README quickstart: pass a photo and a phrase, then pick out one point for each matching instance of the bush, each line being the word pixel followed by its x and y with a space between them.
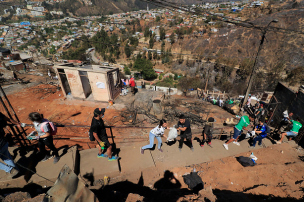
pixel 127 71
pixel 160 77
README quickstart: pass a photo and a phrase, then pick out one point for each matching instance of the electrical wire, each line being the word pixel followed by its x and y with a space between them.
pixel 26 168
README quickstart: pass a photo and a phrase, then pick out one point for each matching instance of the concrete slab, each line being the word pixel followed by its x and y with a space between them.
pixel 46 170
pixel 171 157
pixel 90 164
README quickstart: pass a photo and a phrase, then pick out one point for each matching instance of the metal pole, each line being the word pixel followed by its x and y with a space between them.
pixel 11 107
pixel 255 62
pixel 12 128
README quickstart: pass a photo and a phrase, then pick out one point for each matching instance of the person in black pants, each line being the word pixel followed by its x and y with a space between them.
pixel 99 132
pixel 44 136
pixel 185 132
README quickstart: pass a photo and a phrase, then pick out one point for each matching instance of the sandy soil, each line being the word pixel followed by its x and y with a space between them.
pixel 278 176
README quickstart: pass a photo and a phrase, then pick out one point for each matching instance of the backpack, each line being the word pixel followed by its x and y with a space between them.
pixel 194 181
pixel 53 127
pixel 246 161
pixel 267 128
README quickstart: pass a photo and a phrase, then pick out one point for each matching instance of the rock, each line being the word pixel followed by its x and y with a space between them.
pixel 207 193
pixel 134 197
pixel 38 198
pixel 17 197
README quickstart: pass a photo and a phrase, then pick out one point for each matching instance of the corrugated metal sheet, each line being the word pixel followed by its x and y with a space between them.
pixel 68 188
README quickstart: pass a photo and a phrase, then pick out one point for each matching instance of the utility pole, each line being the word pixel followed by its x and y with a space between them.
pixel 255 62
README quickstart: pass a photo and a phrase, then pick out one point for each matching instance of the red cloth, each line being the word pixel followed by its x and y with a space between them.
pixel 132 82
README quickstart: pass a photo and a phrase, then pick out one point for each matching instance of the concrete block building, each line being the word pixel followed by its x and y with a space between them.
pixel 99 82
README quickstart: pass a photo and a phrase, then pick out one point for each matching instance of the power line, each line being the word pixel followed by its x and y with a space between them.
pixel 26 168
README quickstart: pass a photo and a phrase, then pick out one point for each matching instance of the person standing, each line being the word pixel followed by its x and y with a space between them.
pixel 100 134
pixel 9 166
pixel 208 130
pixel 242 124
pixel 183 126
pixel 132 85
pixel 296 126
pixel 157 132
pixel 261 130
pixel 44 136
pixel 259 113
pixel 249 101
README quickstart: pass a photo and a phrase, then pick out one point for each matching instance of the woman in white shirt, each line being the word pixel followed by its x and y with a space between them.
pixel 157 132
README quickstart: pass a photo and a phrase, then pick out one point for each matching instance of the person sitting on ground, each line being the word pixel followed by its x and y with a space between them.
pixel 185 132
pixel 261 130
pixel 100 134
pixel 208 130
pixel 296 126
pixel 44 136
pixel 9 166
pixel 157 132
pixel 242 124
pixel 285 122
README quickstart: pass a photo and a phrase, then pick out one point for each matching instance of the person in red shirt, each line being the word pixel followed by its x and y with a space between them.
pixel 132 85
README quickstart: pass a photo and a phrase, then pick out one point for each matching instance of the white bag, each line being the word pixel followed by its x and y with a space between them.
pixel 172 134
pixel 250 134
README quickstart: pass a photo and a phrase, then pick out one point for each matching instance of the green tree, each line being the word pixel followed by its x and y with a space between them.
pixel 48 16
pixel 151 42
pixel 147 32
pixel 157 19
pixel 172 38
pixel 134 41
pixel 150 55
pixel 128 51
pixel 146 68
pixel 53 50
pixel 175 76
pixel 162 33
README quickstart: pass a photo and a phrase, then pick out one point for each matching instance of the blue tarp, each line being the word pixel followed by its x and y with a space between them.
pixel 25 23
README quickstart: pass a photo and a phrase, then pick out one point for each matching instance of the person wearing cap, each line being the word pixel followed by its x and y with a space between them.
pixel 296 126
pixel 242 124
pixel 100 134
pixel 208 130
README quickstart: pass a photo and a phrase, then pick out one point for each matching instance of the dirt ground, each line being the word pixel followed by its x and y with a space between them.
pixel 49 101
pixel 278 176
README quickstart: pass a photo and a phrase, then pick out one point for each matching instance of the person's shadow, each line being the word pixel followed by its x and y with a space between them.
pixel 167 182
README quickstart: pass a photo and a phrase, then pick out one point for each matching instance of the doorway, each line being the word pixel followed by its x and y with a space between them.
pixel 85 83
pixel 64 81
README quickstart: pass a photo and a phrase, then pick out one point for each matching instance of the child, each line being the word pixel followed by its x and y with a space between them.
pixel 208 130
pixel 44 136
pixel 157 132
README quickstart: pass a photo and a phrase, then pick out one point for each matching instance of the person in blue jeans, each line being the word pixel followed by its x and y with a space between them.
pixel 261 130
pixel 157 132
pixel 9 166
